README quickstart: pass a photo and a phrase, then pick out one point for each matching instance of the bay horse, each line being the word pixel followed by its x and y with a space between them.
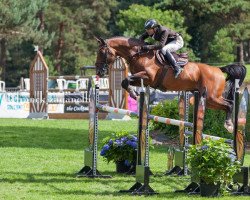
pixel 194 77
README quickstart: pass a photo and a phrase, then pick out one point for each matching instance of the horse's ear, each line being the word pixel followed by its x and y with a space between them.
pixel 100 40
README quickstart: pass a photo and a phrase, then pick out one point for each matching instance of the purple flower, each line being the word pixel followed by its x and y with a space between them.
pixel 134 138
pixel 103 152
pixel 110 142
pixel 131 143
pixel 134 144
pixel 118 142
pixel 106 147
pixel 123 139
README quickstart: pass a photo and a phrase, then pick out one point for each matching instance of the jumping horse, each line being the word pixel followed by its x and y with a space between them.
pixel 195 76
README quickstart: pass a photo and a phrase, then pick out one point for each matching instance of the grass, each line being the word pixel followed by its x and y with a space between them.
pixel 39 159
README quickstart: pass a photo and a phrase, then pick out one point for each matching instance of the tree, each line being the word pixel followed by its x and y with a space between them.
pixel 240 32
pixel 205 18
pixel 131 22
pixel 221 48
pixel 18 22
pixel 75 25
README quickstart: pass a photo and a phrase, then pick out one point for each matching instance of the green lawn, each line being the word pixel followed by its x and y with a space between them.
pixel 39 159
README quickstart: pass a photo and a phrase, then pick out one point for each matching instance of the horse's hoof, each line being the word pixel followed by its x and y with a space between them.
pixel 230 128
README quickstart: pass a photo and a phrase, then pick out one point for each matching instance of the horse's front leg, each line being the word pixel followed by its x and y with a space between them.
pixel 133 80
pixel 126 84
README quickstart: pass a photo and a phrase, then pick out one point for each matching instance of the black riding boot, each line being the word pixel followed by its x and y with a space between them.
pixel 171 59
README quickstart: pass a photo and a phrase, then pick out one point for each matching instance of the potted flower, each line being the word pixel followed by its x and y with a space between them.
pixel 213 164
pixel 120 148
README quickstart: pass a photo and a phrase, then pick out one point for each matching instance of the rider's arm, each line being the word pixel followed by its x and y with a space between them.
pixel 151 47
pixel 144 36
pixel 162 42
pixel 164 37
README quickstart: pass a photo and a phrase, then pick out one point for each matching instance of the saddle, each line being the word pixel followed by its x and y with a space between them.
pixel 181 58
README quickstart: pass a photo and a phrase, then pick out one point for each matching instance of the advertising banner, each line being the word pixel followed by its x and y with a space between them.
pixel 76 103
pixel 14 105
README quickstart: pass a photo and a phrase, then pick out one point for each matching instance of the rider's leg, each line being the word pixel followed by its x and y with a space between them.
pixel 171 59
pixel 173 47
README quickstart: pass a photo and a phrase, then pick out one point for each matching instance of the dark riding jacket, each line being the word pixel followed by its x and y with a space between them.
pixel 163 34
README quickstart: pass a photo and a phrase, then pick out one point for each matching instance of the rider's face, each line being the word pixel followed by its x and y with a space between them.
pixel 150 31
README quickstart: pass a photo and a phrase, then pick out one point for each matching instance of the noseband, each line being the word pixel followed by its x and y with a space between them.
pixel 104 65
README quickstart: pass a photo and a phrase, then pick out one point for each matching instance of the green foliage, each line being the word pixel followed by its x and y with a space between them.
pixel 169 109
pixel 17 15
pixel 214 123
pixel 18 24
pixel 50 64
pixel 135 17
pixel 20 59
pixel 120 146
pixel 247 78
pixel 221 48
pixel 73 23
pixel 204 18
pixel 131 22
pixel 212 162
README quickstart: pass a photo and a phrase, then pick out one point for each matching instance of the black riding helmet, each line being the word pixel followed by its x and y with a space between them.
pixel 151 23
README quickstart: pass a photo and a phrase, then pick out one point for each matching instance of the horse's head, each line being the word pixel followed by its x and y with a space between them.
pixel 105 57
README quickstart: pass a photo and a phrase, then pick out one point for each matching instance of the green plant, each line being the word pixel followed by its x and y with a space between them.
pixel 169 109
pixel 214 123
pixel 120 146
pixel 212 161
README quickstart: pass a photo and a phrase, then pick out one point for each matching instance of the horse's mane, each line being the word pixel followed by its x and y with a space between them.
pixel 128 41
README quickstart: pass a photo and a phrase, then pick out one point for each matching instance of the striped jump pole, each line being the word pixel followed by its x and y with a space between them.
pixel 155 118
pixel 206 136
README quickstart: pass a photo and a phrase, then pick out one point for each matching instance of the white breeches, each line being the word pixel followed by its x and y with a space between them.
pixel 173 46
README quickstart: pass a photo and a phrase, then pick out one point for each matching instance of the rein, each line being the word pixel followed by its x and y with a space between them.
pixel 138 53
pixel 105 64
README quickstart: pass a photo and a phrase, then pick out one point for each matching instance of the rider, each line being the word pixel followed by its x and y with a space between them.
pixel 169 41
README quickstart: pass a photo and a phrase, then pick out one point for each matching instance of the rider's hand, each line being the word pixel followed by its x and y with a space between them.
pixel 144 48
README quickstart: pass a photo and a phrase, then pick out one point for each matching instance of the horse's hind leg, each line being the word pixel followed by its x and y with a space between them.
pixel 227 106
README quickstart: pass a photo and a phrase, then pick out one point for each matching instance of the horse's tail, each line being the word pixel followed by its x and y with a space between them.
pixel 233 71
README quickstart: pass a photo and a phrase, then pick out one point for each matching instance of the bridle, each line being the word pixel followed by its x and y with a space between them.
pixel 104 65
